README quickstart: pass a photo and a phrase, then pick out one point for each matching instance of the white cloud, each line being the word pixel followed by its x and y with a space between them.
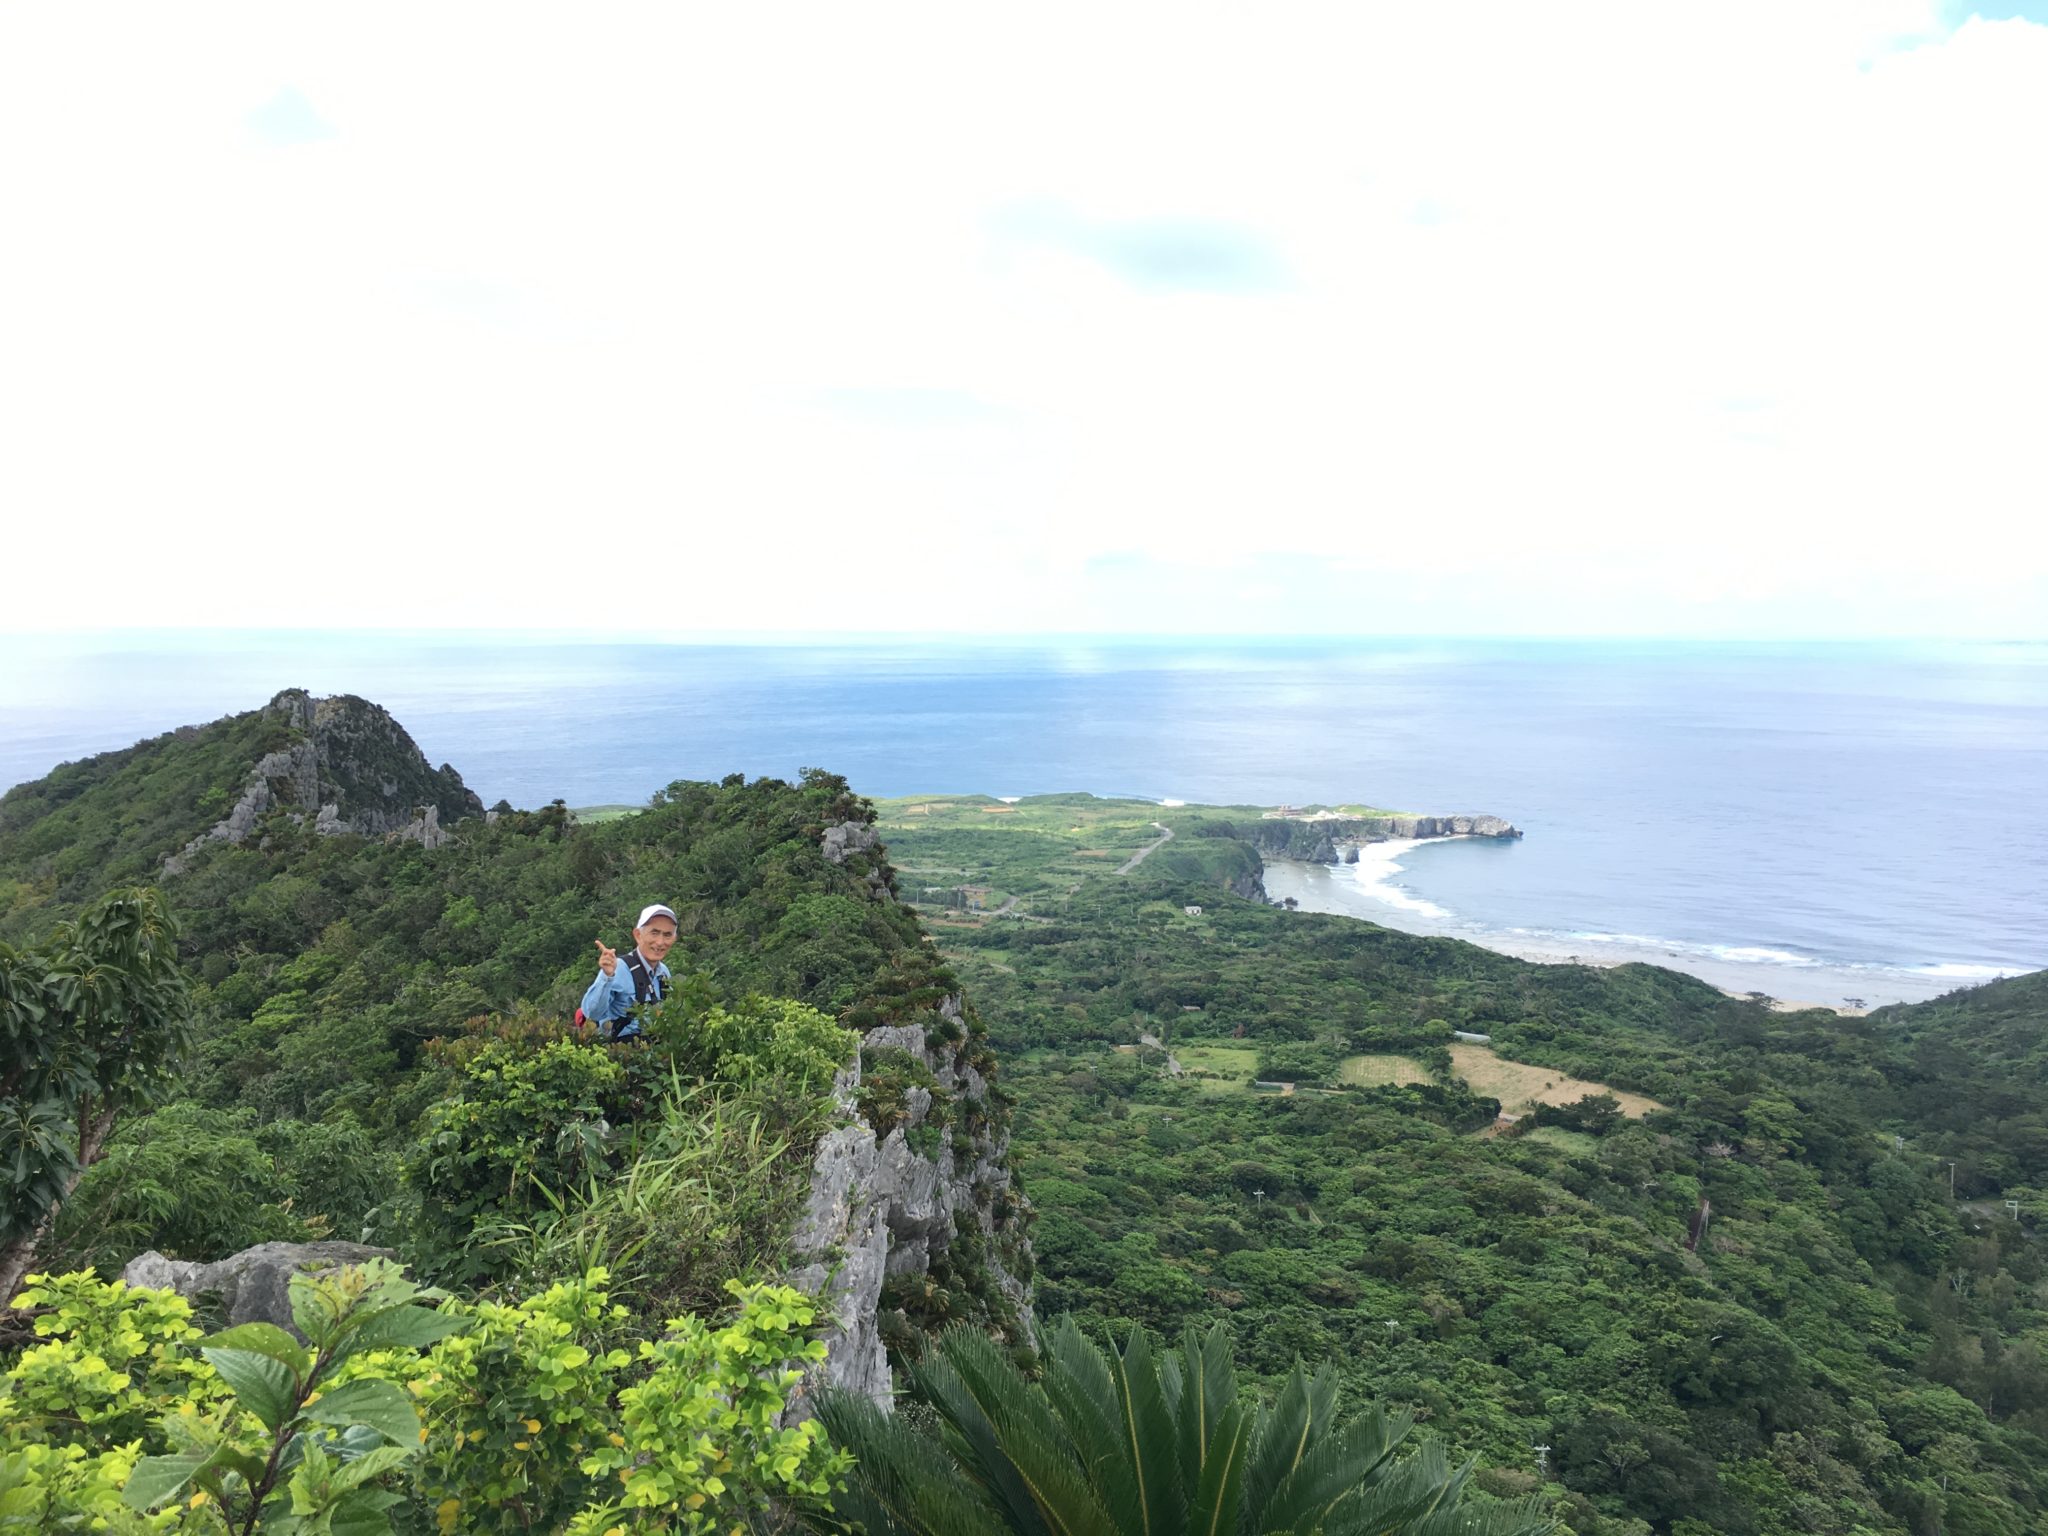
pixel 1608 317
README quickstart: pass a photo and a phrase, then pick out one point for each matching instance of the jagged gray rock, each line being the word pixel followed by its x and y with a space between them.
pixel 843 840
pixel 355 770
pixel 843 1236
pixel 847 837
pixel 254 1285
pixel 881 1210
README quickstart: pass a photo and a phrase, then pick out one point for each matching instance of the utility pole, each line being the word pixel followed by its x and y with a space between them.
pixel 2014 1207
pixel 1542 1461
pixel 1951 1178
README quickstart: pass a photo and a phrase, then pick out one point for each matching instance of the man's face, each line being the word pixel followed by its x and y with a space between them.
pixel 655 937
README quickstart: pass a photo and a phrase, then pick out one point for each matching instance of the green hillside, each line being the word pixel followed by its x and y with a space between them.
pixel 1222 1112
pixel 1848 1349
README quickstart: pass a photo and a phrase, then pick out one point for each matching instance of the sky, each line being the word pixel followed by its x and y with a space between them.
pixel 1715 320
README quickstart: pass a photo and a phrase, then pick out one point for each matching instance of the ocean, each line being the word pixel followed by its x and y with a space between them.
pixel 1820 822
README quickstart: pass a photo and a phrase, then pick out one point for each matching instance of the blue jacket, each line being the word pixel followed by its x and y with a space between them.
pixel 611 997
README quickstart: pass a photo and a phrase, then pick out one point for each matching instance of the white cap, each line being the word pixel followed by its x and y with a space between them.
pixel 657 910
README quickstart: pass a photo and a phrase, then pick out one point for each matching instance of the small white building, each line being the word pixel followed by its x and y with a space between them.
pixel 1470 1038
pixel 1192 911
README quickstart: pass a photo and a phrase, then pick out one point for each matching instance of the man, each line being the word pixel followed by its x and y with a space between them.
pixel 640 977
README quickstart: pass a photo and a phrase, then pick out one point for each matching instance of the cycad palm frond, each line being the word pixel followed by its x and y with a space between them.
pixel 1337 1461
pixel 1144 1442
pixel 1407 1494
pixel 1011 1442
pixel 908 1485
pixel 1148 1443
pixel 1082 1391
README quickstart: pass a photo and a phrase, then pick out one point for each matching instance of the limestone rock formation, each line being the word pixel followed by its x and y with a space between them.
pixel 857 841
pixel 883 1215
pixel 352 768
pixel 1331 839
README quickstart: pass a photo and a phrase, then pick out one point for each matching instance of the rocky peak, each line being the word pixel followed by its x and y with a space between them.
pixel 352 768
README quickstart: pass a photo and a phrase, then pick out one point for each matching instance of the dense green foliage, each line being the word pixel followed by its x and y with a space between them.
pixel 112 819
pixel 92 1022
pixel 1848 1350
pixel 1855 1345
pixel 387 1412
pixel 543 1122
pixel 1141 1442
pixel 325 965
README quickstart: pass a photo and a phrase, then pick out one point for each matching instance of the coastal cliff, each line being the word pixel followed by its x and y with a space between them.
pixel 1328 840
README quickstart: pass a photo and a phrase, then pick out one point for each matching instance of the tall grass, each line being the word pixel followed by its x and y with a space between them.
pixel 710 1193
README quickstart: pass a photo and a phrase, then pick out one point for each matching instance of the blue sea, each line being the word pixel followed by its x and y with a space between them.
pixel 1815 821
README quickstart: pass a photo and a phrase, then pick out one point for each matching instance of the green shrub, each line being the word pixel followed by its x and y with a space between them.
pixel 712 1193
pixel 756 1040
pixel 471 1416
pixel 522 1124
pixel 887 1076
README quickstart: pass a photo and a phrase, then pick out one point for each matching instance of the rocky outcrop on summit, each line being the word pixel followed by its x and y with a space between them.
pixel 1332 839
pixel 913 1199
pixel 349 766
pixel 858 842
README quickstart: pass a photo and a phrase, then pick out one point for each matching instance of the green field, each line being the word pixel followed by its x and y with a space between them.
pixel 1043 848
pixel 1374 1071
pixel 1228 1068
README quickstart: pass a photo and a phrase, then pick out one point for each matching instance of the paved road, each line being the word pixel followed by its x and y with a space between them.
pixel 1165 836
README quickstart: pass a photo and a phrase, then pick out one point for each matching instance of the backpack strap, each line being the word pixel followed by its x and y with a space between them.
pixel 646 983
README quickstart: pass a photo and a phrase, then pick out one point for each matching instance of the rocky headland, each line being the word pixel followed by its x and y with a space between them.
pixel 1337 839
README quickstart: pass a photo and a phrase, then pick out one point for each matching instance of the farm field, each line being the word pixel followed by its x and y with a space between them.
pixel 1228 1068
pixel 1380 1071
pixel 1520 1086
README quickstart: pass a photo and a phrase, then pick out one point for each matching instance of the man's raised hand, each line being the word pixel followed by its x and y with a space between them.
pixel 607 958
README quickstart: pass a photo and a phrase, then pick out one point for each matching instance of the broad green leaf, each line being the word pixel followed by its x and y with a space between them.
pixel 406 1327
pixel 1148 1431
pixel 1214 1511
pixel 381 1405
pixel 159 1479
pixel 313 1313
pixel 360 1512
pixel 264 1339
pixel 248 1468
pixel 353 1474
pixel 266 1387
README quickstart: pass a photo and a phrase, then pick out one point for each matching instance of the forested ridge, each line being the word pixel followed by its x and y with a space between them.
pixel 1848 1349
pixel 379 1043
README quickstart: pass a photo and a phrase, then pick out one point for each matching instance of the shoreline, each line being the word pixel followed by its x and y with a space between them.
pixel 1366 891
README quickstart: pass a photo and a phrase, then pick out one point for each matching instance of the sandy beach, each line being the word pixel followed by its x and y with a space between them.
pixel 1372 890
